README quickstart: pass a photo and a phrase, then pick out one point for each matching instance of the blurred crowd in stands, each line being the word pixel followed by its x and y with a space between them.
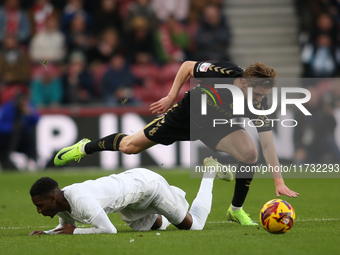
pixel 57 53
pixel 319 38
pixel 102 52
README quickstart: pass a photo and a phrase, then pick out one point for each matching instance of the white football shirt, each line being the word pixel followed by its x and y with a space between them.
pixel 130 193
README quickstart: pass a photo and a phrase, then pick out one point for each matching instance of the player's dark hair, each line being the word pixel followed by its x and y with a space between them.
pixel 267 75
pixel 43 186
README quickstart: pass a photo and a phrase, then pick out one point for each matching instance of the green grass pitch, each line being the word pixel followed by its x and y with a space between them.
pixel 316 229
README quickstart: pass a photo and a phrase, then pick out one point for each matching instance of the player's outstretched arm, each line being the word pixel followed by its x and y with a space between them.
pixel 269 153
pixel 101 224
pixel 66 229
pixel 182 76
pixel 281 188
pixel 36 232
pixel 162 105
pixel 63 220
pixel 49 232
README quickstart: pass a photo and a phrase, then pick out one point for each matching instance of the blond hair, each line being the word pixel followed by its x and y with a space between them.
pixel 257 70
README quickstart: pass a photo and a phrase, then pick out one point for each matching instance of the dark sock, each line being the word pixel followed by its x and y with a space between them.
pixel 243 180
pixel 107 143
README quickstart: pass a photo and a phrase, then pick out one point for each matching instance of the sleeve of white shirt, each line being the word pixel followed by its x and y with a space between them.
pixel 63 218
pixel 101 224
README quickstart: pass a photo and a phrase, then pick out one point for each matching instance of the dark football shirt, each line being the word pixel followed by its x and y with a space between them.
pixel 210 73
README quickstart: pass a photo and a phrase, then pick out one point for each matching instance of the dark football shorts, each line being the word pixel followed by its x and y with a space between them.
pixel 170 127
pixel 176 125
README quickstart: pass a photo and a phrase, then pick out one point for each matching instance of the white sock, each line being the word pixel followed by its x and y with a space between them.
pixel 82 149
pixel 201 206
pixel 165 223
pixel 209 174
pixel 234 208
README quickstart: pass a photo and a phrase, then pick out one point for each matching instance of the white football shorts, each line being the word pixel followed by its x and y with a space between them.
pixel 159 198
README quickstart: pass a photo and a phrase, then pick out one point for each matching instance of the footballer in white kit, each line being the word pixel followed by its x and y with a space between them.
pixel 142 198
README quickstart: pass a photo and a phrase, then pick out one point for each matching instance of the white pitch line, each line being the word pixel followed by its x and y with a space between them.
pixel 47 227
pixel 323 219
pixel 210 222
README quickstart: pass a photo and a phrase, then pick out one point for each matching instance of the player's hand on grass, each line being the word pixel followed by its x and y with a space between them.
pixel 282 189
pixel 67 229
pixel 162 105
pixel 36 232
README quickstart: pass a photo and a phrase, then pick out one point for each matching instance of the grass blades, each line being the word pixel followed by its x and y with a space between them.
pixel 315 231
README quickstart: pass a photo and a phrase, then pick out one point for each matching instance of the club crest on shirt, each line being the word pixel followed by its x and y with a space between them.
pixel 204 67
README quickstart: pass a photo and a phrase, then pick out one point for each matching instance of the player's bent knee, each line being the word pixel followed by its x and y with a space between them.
pixel 186 224
pixel 250 157
pixel 191 222
pixel 197 224
pixel 129 149
pixel 134 144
